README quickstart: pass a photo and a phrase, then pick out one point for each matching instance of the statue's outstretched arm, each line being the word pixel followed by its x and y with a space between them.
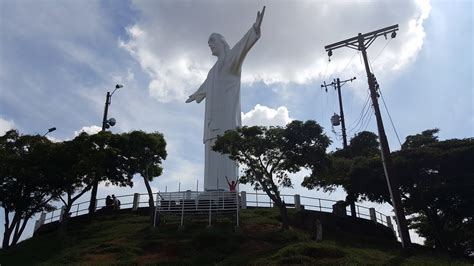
pixel 258 21
pixel 242 47
pixel 199 95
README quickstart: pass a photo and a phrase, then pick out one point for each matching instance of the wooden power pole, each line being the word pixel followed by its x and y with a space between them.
pixel 337 84
pixel 361 42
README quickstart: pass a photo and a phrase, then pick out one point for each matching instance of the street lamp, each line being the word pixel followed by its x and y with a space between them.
pixel 106 123
pixel 49 130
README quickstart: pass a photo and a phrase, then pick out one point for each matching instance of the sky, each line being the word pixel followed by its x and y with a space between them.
pixel 58 59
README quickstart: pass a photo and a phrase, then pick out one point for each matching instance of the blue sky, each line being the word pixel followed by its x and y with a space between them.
pixel 59 58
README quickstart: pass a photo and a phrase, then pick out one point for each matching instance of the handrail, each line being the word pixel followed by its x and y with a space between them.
pixel 253 199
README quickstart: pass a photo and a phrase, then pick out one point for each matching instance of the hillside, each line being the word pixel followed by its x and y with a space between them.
pixel 126 238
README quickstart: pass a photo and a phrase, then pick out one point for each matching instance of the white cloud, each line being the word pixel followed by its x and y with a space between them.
pixel 181 171
pixel 89 130
pixel 291 49
pixel 5 125
pixel 265 116
pixel 171 78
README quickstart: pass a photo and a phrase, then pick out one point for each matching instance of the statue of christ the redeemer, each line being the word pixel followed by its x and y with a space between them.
pixel 222 92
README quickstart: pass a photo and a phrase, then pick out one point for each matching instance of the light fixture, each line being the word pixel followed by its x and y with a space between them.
pixel 49 131
pixel 110 122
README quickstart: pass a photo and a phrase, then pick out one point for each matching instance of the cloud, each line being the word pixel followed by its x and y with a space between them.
pixel 264 116
pixel 91 130
pixel 5 125
pixel 291 49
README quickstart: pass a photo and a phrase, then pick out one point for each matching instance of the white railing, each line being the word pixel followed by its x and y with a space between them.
pixel 215 202
pixel 318 204
pixel 208 203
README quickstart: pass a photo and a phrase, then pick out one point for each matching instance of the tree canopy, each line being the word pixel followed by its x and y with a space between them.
pixel 144 153
pixel 34 171
pixel 269 154
pixel 436 184
pixel 24 175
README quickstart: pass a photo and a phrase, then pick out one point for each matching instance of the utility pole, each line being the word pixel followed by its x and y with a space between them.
pixel 337 84
pixel 106 123
pixel 361 42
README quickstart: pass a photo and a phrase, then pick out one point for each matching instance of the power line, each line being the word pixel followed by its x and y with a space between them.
pixel 380 52
pixel 363 112
pixel 369 119
pixel 356 122
pixel 350 60
pixel 390 117
pixel 365 119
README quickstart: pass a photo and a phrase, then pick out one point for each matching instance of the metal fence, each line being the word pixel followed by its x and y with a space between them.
pixel 193 203
pixel 215 202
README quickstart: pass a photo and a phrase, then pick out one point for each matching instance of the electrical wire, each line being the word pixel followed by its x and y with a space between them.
pixel 365 119
pixel 362 115
pixel 381 51
pixel 371 115
pixel 350 60
pixel 390 117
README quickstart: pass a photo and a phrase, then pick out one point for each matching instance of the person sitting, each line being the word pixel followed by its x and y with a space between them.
pixel 109 202
pixel 232 185
pixel 116 202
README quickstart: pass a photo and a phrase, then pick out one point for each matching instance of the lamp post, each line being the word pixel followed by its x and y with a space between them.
pixel 106 123
pixel 49 131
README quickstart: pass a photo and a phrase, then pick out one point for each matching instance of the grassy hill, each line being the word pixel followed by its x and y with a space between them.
pixel 125 238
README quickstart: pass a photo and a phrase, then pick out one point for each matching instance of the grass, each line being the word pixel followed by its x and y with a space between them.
pixel 130 239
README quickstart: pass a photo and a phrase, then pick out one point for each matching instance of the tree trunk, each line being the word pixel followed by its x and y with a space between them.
pixel 353 210
pixel 93 198
pixel 9 229
pixel 15 231
pixel 17 234
pixel 6 239
pixel 285 221
pixel 6 233
pixel 151 203
pixel 65 219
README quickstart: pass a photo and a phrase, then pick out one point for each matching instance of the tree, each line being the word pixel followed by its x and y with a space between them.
pixel 25 189
pixel 436 184
pixel 270 154
pixel 89 158
pixel 145 153
pixel 356 169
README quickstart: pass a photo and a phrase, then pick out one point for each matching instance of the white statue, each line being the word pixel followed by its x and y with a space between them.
pixel 222 92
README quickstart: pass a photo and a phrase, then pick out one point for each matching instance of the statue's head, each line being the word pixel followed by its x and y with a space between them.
pixel 218 44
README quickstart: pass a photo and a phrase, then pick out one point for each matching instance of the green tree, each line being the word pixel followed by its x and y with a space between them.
pixel 144 153
pixel 24 177
pixel 357 169
pixel 270 154
pixel 436 184
pixel 89 158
